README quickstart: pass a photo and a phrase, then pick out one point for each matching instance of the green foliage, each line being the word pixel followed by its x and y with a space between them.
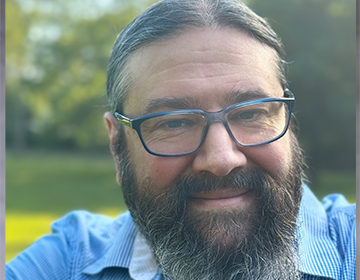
pixel 330 182
pixel 320 40
pixel 57 55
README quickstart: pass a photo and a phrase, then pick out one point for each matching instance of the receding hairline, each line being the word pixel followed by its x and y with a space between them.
pixel 167 18
pixel 134 58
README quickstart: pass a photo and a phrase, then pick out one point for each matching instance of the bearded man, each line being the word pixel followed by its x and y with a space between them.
pixel 204 143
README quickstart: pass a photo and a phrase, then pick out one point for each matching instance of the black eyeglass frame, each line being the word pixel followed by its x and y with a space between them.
pixel 210 117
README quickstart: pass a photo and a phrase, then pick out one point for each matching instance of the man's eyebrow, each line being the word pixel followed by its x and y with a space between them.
pixel 181 103
pixel 239 96
pixel 172 103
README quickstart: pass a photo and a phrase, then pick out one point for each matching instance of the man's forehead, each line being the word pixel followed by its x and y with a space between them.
pixel 195 54
pixel 202 40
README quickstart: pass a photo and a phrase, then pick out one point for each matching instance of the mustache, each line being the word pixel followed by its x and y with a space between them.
pixel 252 179
pixel 173 202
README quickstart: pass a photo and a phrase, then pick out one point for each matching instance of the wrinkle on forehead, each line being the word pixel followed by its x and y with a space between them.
pixel 204 43
pixel 200 54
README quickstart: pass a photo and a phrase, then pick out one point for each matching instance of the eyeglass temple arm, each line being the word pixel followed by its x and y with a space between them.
pixel 123 120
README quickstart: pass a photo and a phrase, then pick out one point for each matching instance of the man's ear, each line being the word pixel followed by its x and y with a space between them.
pixel 112 128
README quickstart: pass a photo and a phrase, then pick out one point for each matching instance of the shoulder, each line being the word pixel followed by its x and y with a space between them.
pixel 327 236
pixel 333 208
pixel 76 239
pixel 341 217
pixel 336 204
pixel 81 225
pixel 342 229
pixel 342 223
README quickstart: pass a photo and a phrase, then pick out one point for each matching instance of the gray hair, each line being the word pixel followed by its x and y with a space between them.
pixel 168 18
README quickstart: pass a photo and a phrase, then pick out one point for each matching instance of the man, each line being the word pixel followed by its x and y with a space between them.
pixel 203 140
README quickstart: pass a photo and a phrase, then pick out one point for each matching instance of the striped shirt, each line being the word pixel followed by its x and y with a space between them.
pixel 87 246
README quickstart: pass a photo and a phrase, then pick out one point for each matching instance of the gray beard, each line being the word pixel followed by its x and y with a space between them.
pixel 255 243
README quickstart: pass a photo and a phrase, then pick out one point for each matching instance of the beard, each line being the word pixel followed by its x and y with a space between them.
pixel 258 242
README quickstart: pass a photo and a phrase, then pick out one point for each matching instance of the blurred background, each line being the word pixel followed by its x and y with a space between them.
pixel 57 53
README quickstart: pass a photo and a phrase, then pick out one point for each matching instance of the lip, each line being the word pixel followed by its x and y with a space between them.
pixel 222 199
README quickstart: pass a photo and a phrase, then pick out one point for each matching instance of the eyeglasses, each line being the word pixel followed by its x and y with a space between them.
pixel 182 132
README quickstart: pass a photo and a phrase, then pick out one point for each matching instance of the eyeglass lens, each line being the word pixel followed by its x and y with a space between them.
pixel 182 133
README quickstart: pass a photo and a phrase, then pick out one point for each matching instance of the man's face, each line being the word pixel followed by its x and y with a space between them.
pixel 219 194
pixel 208 66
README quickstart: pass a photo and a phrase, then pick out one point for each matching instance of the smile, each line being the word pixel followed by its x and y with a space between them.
pixel 218 199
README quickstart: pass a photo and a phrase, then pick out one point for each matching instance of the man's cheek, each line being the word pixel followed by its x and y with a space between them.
pixel 275 157
pixel 161 171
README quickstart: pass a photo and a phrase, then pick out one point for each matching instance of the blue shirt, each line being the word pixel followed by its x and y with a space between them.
pixel 87 246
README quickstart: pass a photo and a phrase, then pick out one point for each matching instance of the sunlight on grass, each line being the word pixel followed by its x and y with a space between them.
pixel 24 229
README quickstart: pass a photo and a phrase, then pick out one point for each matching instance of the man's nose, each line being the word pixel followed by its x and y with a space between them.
pixel 219 154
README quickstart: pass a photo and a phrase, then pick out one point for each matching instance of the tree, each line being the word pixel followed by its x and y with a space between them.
pixel 57 56
pixel 58 51
pixel 320 40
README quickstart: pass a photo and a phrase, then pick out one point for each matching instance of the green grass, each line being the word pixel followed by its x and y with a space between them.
pixel 41 188
pixel 330 182
pixel 59 183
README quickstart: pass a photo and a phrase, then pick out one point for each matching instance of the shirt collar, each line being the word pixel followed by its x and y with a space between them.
pixel 121 251
pixel 318 254
pixel 143 265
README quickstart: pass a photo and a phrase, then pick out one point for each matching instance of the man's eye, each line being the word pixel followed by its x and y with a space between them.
pixel 174 124
pixel 247 115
